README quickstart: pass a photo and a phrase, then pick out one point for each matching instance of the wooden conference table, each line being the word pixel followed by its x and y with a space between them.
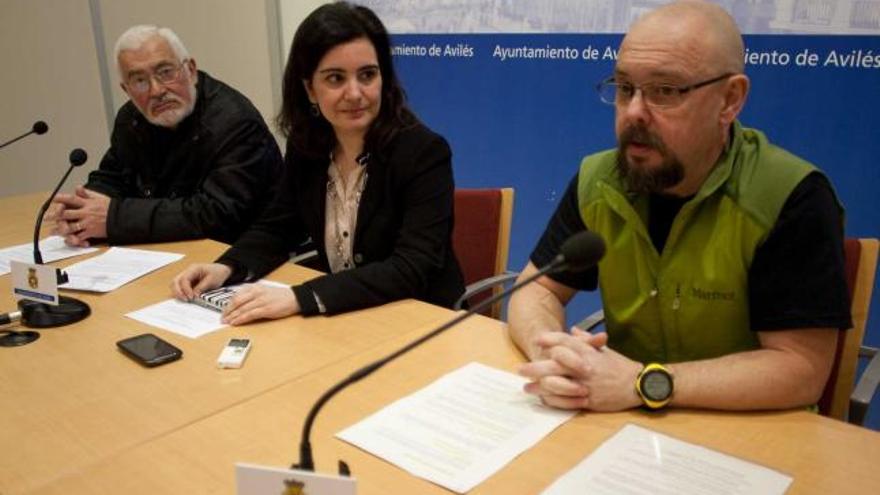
pixel 79 418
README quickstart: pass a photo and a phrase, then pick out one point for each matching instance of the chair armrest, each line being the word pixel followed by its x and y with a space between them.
pixel 592 321
pixel 865 388
pixel 482 285
pixel 307 256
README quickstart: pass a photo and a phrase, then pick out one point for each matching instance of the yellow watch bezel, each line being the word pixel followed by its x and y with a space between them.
pixel 647 401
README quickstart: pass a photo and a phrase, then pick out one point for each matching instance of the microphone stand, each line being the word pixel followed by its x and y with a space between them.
pixel 41 315
pixel 38 256
pixel 306 462
pixel 39 127
pixel 13 338
pixel 7 143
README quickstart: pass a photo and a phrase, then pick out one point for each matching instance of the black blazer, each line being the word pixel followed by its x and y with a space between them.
pixel 403 240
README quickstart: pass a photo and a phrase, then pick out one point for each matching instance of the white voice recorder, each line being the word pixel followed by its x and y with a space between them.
pixel 234 353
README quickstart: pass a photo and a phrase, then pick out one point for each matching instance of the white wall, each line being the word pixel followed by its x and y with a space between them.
pixel 52 73
pixel 292 13
pixel 227 38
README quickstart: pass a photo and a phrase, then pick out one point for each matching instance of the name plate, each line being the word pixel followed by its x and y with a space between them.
pixel 251 479
pixel 34 282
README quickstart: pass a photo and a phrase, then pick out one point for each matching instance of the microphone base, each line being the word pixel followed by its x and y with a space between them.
pixel 41 315
pixel 15 339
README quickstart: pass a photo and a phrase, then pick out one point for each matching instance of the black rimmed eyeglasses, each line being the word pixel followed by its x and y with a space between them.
pixel 655 95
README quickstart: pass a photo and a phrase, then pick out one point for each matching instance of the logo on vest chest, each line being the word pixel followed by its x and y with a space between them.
pixel 712 295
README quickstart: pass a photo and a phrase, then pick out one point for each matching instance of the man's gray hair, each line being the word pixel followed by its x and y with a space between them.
pixel 135 36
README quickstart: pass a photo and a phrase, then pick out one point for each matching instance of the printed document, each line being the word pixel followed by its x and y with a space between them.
pixel 638 461
pixel 180 317
pixel 115 268
pixel 459 430
pixel 186 318
pixel 52 248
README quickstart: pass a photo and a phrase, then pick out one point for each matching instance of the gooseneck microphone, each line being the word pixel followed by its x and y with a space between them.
pixel 36 314
pixel 578 253
pixel 77 157
pixel 39 127
pixel 68 310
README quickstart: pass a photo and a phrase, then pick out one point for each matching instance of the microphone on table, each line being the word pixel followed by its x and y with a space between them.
pixel 77 157
pixel 41 315
pixel 578 253
pixel 39 127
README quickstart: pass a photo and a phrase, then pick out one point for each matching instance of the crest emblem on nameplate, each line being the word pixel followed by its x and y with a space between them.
pixel 294 487
pixel 34 282
pixel 251 479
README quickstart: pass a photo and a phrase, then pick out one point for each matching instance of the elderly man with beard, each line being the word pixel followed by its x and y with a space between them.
pixel 723 283
pixel 189 156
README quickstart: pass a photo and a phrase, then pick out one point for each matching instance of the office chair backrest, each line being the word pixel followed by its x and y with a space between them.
pixel 861 264
pixel 481 237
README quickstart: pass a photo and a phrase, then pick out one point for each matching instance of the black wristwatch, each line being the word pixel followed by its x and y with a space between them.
pixel 654 385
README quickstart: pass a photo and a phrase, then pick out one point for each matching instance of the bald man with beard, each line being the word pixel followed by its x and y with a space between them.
pixel 723 284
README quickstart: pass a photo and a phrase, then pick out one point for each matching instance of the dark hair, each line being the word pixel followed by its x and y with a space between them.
pixel 327 27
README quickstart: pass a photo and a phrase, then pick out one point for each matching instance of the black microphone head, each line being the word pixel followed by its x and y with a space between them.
pixel 582 251
pixel 40 127
pixel 78 156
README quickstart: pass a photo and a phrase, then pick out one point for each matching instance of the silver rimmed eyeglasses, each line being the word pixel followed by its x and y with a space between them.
pixel 655 95
pixel 164 74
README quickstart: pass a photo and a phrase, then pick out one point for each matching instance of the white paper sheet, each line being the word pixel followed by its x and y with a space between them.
pixel 638 461
pixel 52 248
pixel 185 318
pixel 115 268
pixel 459 430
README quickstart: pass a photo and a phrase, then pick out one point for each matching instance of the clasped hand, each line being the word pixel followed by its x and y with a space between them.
pixel 578 371
pixel 251 302
pixel 80 216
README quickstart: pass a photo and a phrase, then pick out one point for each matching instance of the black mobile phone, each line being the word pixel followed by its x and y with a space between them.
pixel 149 350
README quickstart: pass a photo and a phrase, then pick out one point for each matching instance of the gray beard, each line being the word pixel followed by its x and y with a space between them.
pixel 637 178
pixel 171 118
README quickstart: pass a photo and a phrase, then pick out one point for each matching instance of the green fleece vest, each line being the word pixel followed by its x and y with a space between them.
pixel 690 301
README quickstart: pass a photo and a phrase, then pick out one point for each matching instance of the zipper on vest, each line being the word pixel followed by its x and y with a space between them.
pixel 676 302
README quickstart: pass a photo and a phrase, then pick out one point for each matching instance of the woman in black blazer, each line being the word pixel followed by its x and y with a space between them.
pixel 368 183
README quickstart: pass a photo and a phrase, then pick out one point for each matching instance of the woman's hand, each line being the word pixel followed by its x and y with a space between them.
pixel 198 278
pixel 256 301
